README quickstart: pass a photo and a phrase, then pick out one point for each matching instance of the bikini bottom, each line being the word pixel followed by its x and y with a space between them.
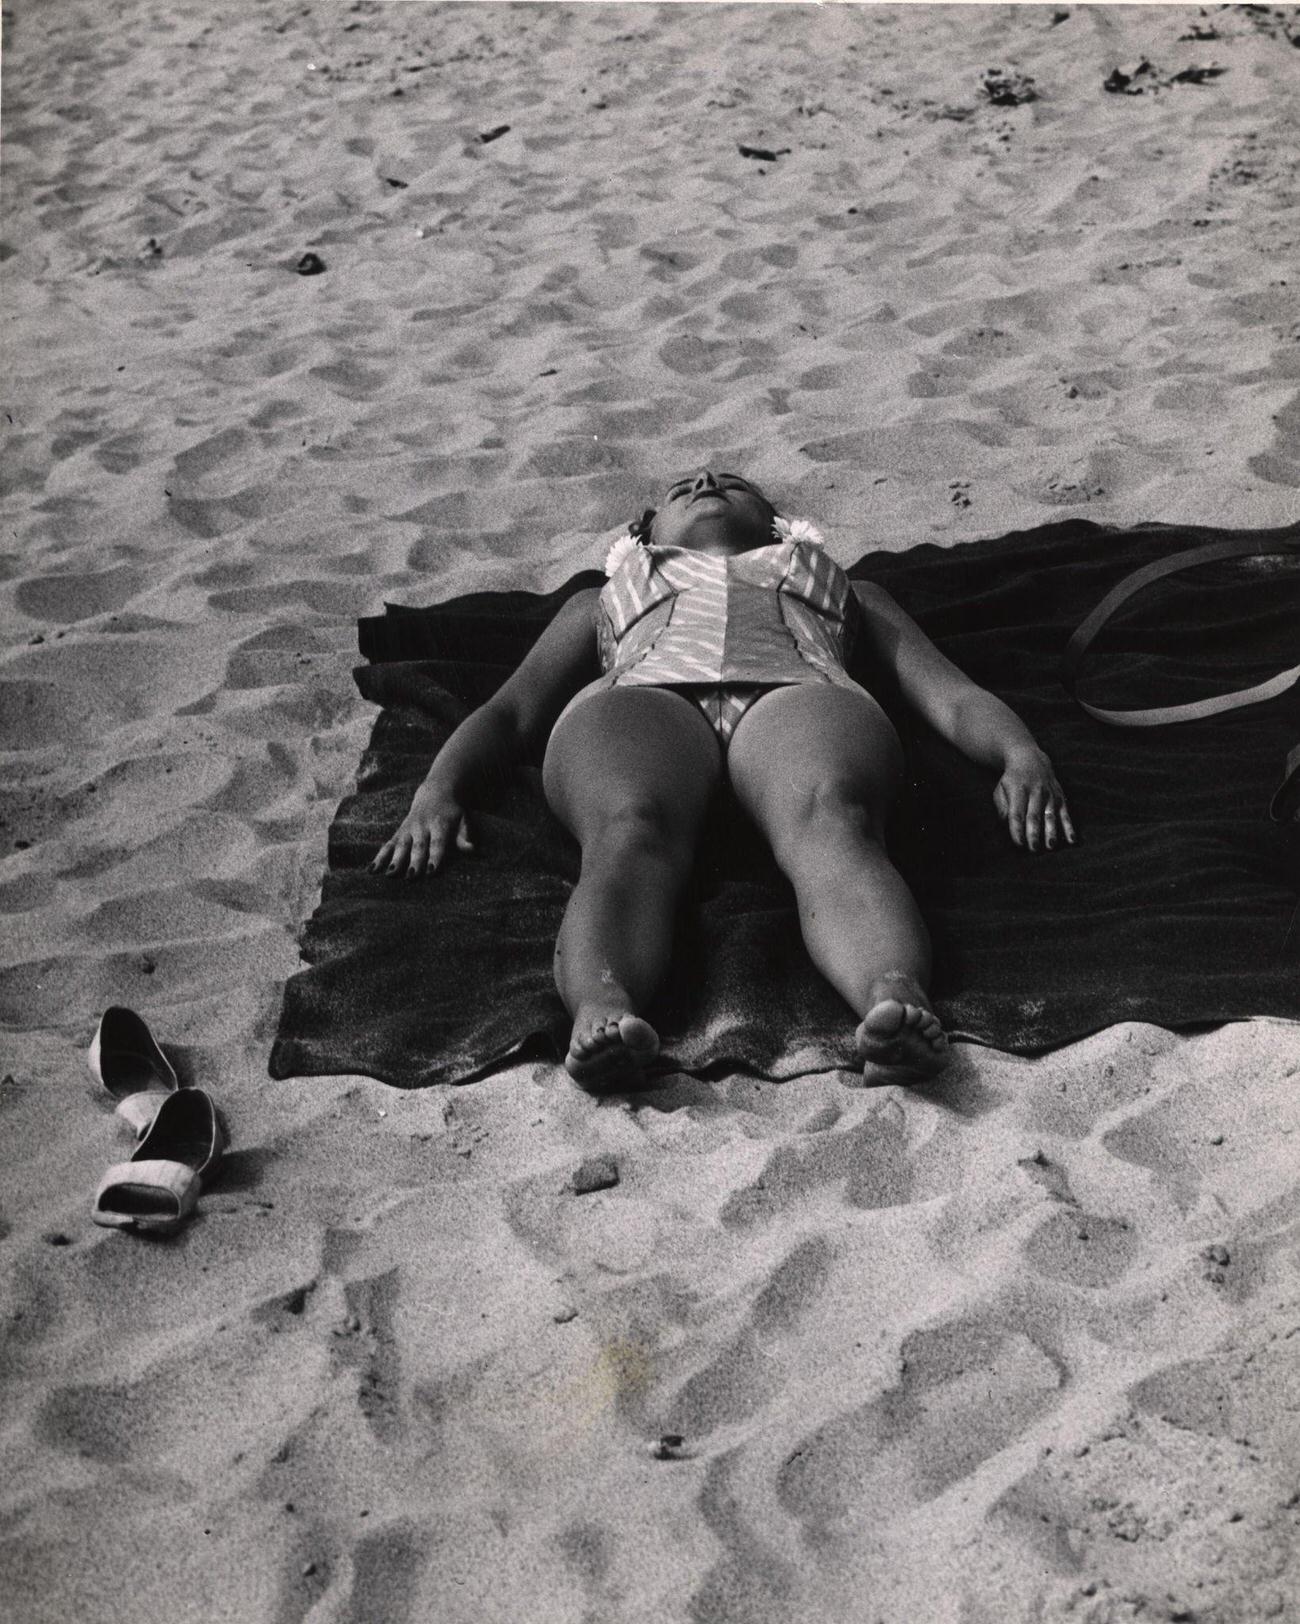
pixel 722 704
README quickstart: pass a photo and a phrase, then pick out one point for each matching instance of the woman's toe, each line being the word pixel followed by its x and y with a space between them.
pixel 886 1020
pixel 607 1047
pixel 638 1037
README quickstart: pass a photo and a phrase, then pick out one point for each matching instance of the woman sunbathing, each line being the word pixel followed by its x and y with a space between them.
pixel 716 653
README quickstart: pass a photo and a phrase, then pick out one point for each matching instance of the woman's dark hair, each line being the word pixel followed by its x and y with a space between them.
pixel 641 527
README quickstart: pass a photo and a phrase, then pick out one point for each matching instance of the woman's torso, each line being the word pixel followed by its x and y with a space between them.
pixel 781 613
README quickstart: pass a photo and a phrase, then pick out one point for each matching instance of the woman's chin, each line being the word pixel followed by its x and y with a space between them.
pixel 711 532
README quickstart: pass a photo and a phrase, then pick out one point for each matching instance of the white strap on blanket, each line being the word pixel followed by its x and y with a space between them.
pixel 1158 715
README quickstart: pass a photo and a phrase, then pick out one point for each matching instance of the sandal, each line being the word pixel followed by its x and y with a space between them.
pixel 156 1191
pixel 126 1060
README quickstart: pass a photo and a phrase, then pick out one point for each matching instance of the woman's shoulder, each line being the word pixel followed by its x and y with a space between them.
pixel 580 607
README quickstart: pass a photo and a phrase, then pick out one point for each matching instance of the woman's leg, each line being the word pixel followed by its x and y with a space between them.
pixel 817 767
pixel 630 773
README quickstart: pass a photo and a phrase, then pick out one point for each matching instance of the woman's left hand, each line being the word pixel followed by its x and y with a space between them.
pixel 1032 802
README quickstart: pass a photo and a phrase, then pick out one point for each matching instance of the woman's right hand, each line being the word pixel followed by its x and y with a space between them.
pixel 435 823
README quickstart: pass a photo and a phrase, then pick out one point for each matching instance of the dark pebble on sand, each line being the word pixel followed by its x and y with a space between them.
pixel 494 134
pixel 669 1447
pixel 310 265
pixel 596 1173
pixel 765 153
pixel 1121 83
pixel 1008 89
pixel 1196 76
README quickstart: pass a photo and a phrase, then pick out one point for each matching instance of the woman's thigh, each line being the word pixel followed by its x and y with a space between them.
pixel 812 748
pixel 632 750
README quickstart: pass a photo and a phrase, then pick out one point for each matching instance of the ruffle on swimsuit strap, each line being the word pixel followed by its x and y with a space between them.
pixel 782 530
pixel 619 550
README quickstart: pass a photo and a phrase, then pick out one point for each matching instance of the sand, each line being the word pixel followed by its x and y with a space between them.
pixel 1019 1347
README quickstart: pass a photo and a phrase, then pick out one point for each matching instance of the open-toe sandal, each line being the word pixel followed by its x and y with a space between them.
pixel 156 1191
pixel 124 1058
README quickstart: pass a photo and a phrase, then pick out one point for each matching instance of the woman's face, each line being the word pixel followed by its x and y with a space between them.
pixel 713 513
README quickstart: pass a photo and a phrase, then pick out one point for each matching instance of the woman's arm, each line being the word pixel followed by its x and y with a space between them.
pixel 481 752
pixel 977 722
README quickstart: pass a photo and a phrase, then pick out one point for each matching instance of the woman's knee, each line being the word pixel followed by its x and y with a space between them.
pixel 636 827
pixel 825 812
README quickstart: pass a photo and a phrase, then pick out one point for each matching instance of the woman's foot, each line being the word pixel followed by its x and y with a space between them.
pixel 609 1046
pixel 900 1039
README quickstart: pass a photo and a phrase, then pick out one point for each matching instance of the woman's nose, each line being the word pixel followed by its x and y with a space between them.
pixel 704 481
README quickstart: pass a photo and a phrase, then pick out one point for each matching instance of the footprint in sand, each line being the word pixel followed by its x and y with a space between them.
pixel 667 260
pixel 1179 1525
pixel 743 1377
pixel 325 597
pixel 966 1391
pixel 33 712
pixel 63 446
pixel 693 356
pixel 1233 1394
pixel 217 465
pixel 1280 464
pixel 871 1161
pixel 386 1567
pixel 285 1310
pixel 1082 1248
pixel 121 454
pixel 749 1581
pixel 26 893
pixel 281 653
pixel 349 379
pixel 170 913
pixel 570 459
pixel 586 1548
pixel 64 599
pixel 939 378
pixel 258 782
pixel 1153 1140
pixel 369 1345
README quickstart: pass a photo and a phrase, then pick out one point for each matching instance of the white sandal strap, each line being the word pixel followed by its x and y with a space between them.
pixel 173 1192
pixel 139 1110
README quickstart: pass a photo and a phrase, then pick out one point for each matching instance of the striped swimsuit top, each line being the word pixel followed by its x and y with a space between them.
pixel 778 614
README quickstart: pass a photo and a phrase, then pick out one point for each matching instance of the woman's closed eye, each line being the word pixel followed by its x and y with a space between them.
pixel 727 482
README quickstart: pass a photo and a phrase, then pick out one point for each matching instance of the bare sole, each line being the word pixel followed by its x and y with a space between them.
pixel 900 1043
pixel 609 1048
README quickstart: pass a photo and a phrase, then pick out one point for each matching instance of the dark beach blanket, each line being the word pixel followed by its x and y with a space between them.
pixel 1179 907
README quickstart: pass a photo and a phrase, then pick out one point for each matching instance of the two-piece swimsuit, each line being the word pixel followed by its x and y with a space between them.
pixel 724 630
